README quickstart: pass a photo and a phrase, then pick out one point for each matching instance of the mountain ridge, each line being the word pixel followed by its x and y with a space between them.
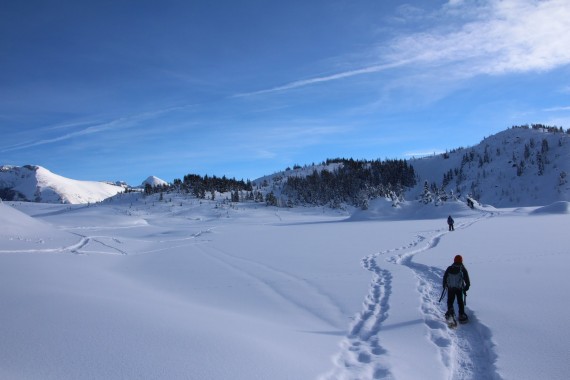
pixel 35 183
pixel 520 166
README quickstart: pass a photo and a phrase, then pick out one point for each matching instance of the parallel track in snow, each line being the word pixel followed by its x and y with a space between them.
pixel 467 352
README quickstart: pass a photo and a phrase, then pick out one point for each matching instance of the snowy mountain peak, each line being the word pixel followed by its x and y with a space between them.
pixel 153 181
pixel 37 184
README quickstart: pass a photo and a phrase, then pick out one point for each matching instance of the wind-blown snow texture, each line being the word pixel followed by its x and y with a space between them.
pixel 187 289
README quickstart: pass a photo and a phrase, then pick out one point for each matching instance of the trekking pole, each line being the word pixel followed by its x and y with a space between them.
pixel 442 293
pixel 465 298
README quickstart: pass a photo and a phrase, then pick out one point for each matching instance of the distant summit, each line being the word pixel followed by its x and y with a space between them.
pixel 33 183
pixel 154 182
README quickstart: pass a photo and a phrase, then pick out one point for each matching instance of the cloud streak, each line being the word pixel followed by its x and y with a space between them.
pixel 496 37
pixel 328 78
pixel 557 109
pixel 114 125
pixel 83 132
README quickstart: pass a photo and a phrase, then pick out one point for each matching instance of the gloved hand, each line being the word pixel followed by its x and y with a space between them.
pixel 466 288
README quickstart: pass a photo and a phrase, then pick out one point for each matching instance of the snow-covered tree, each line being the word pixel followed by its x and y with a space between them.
pixel 427 196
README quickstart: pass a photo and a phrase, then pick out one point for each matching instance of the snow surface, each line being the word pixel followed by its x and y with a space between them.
pixel 186 289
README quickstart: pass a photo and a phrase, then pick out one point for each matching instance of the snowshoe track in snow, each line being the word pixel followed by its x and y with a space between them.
pixel 467 352
pixel 361 356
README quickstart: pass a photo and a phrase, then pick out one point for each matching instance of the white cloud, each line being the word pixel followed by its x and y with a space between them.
pixel 506 36
pixel 492 37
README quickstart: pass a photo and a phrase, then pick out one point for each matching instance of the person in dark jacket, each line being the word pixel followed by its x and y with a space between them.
pixel 450 222
pixel 456 280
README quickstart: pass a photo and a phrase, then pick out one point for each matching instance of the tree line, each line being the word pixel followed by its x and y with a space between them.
pixel 199 186
pixel 548 128
pixel 353 182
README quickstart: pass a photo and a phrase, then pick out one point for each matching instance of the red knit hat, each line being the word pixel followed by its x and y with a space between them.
pixel 458 259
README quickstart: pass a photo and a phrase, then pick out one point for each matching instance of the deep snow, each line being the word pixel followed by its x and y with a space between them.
pixel 188 289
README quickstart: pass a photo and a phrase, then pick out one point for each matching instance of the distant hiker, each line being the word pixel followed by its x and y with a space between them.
pixel 450 222
pixel 456 280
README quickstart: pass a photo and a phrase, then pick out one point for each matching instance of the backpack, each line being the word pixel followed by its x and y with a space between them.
pixel 455 280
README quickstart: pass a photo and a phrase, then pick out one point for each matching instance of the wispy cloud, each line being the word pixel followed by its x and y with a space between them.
pixel 505 36
pixel 328 78
pixel 557 109
pixel 95 128
pixel 492 37
pixel 284 138
pixel 83 132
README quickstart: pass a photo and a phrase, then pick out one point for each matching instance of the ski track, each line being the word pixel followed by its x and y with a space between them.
pixel 81 247
pixel 467 352
pixel 315 301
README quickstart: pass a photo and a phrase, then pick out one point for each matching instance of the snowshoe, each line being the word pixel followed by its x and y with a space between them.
pixel 463 318
pixel 451 321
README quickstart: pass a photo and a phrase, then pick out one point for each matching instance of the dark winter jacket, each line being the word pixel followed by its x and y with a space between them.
pixel 449 220
pixel 454 269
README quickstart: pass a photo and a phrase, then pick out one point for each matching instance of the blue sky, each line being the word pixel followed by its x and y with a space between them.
pixel 120 90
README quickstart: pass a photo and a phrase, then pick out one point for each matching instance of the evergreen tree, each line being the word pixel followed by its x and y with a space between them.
pixel 427 196
pixel 147 189
pixel 544 147
pixel 235 196
pixel 271 199
pixel 526 151
pixel 520 168
pixel 540 163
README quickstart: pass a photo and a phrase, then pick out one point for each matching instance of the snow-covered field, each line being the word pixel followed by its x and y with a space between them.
pixel 141 289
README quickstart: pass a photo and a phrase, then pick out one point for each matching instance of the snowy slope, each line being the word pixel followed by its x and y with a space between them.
pixel 494 173
pixel 194 289
pixel 37 184
pixel 497 171
pixel 22 233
